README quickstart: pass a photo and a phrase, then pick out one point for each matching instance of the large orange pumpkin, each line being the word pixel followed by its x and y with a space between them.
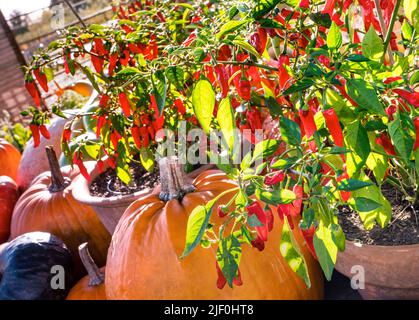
pixel 143 259
pixel 48 206
pixel 92 286
pixel 9 194
pixel 9 159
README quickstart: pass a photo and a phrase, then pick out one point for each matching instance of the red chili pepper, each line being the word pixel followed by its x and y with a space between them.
pixel 244 89
pixel 66 62
pixel 189 40
pixel 115 137
pixel 35 134
pixel 258 244
pixel 345 195
pixel 221 280
pixel 180 107
pixel 392 79
pixel 33 91
pixel 135 132
pixel 66 135
pixel 329 7
pixel 332 123
pixel 416 122
pixel 391 110
pixel 410 97
pixel 100 123
pixel 100 47
pixel 307 119
pixel 78 161
pixel 44 131
pixel 42 79
pixel 111 161
pixel 258 40
pixel 144 137
pixel 222 77
pixel 284 77
pixel 159 121
pixel 275 179
pixel 256 209
pixel 113 60
pixel 308 235
pixel 384 141
pixel 97 63
pixel 304 4
pixel 125 105
pixel 254 119
pixel 101 166
pixel 297 203
pixel 104 101
pixel 270 219
pixel 220 212
pixel 284 210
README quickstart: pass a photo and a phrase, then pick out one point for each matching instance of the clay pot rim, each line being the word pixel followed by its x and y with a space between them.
pixel 380 248
pixel 81 192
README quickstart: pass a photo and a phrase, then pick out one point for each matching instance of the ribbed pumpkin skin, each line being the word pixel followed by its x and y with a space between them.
pixel 60 214
pixel 82 291
pixel 9 195
pixel 143 259
pixel 9 159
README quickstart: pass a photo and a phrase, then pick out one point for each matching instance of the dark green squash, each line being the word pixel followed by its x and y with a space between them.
pixel 27 268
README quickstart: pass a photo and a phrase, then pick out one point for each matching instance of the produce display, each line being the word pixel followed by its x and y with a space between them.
pixel 229 150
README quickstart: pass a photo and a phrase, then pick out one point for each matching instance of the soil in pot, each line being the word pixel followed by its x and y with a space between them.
pixel 402 230
pixel 107 184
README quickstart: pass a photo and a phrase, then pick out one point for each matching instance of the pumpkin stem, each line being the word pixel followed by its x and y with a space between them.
pixel 174 183
pixel 58 182
pixel 96 276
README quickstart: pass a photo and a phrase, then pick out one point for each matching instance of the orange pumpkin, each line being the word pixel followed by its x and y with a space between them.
pixel 9 194
pixel 91 287
pixel 9 159
pixel 48 206
pixel 143 259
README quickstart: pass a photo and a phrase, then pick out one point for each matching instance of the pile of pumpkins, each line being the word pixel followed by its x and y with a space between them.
pixel 42 226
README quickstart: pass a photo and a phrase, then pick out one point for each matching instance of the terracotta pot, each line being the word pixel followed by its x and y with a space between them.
pixel 391 272
pixel 110 210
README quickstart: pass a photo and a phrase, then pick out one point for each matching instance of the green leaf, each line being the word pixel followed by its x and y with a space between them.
pixel 291 253
pixel 411 8
pixel 382 214
pixel 128 71
pixel 298 86
pixel 363 93
pixel 363 204
pixel 147 159
pixel 203 101
pixel 321 19
pixel 326 249
pixel 356 138
pixel 228 257
pixel 230 27
pixel 123 174
pixel 407 30
pixel 283 164
pixel 334 37
pixel 372 45
pixel 247 47
pixel 400 138
pixel 264 7
pixel 338 236
pixel 265 149
pixel 352 184
pixel 91 77
pixel 225 117
pixel 160 90
pixel 290 131
pixel 276 197
pixel 175 75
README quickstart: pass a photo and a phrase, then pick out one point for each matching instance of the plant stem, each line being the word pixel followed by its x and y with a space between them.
pixel 383 29
pixel 96 276
pixel 58 182
pixel 391 25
